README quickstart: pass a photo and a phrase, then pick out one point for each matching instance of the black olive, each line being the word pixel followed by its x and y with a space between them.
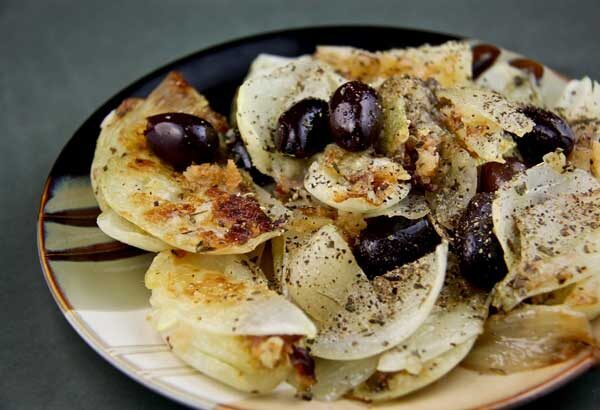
pixel 182 139
pixel 484 55
pixel 549 134
pixel 236 150
pixel 479 252
pixel 303 129
pixel 387 243
pixel 493 174
pixel 355 116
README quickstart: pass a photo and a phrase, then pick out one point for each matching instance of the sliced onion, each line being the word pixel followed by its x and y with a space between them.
pixel 357 317
pixel 122 230
pixel 449 63
pixel 514 84
pixel 546 222
pixel 413 206
pixel 337 377
pixel 386 386
pixel 580 99
pixel 529 337
pixel 348 181
pixel 456 187
pixel 585 297
pixel 459 315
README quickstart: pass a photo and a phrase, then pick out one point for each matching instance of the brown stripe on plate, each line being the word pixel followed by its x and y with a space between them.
pixel 95 253
pixel 74 217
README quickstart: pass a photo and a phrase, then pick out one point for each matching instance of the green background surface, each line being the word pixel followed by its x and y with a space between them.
pixel 59 60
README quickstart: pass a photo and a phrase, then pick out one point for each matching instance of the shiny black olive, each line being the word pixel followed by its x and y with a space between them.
pixel 236 150
pixel 355 116
pixel 493 174
pixel 484 55
pixel 303 130
pixel 182 139
pixel 479 252
pixel 549 134
pixel 387 243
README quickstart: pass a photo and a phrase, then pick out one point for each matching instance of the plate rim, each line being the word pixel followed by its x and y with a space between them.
pixel 587 360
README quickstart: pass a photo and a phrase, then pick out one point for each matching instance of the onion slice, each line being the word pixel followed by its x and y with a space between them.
pixel 585 297
pixel 337 377
pixel 357 317
pixel 529 337
pixel 386 386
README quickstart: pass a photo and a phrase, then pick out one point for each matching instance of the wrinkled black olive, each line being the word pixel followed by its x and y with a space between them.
pixel 478 250
pixel 493 174
pixel 387 243
pixel 236 150
pixel 484 55
pixel 355 116
pixel 182 139
pixel 303 130
pixel 549 134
